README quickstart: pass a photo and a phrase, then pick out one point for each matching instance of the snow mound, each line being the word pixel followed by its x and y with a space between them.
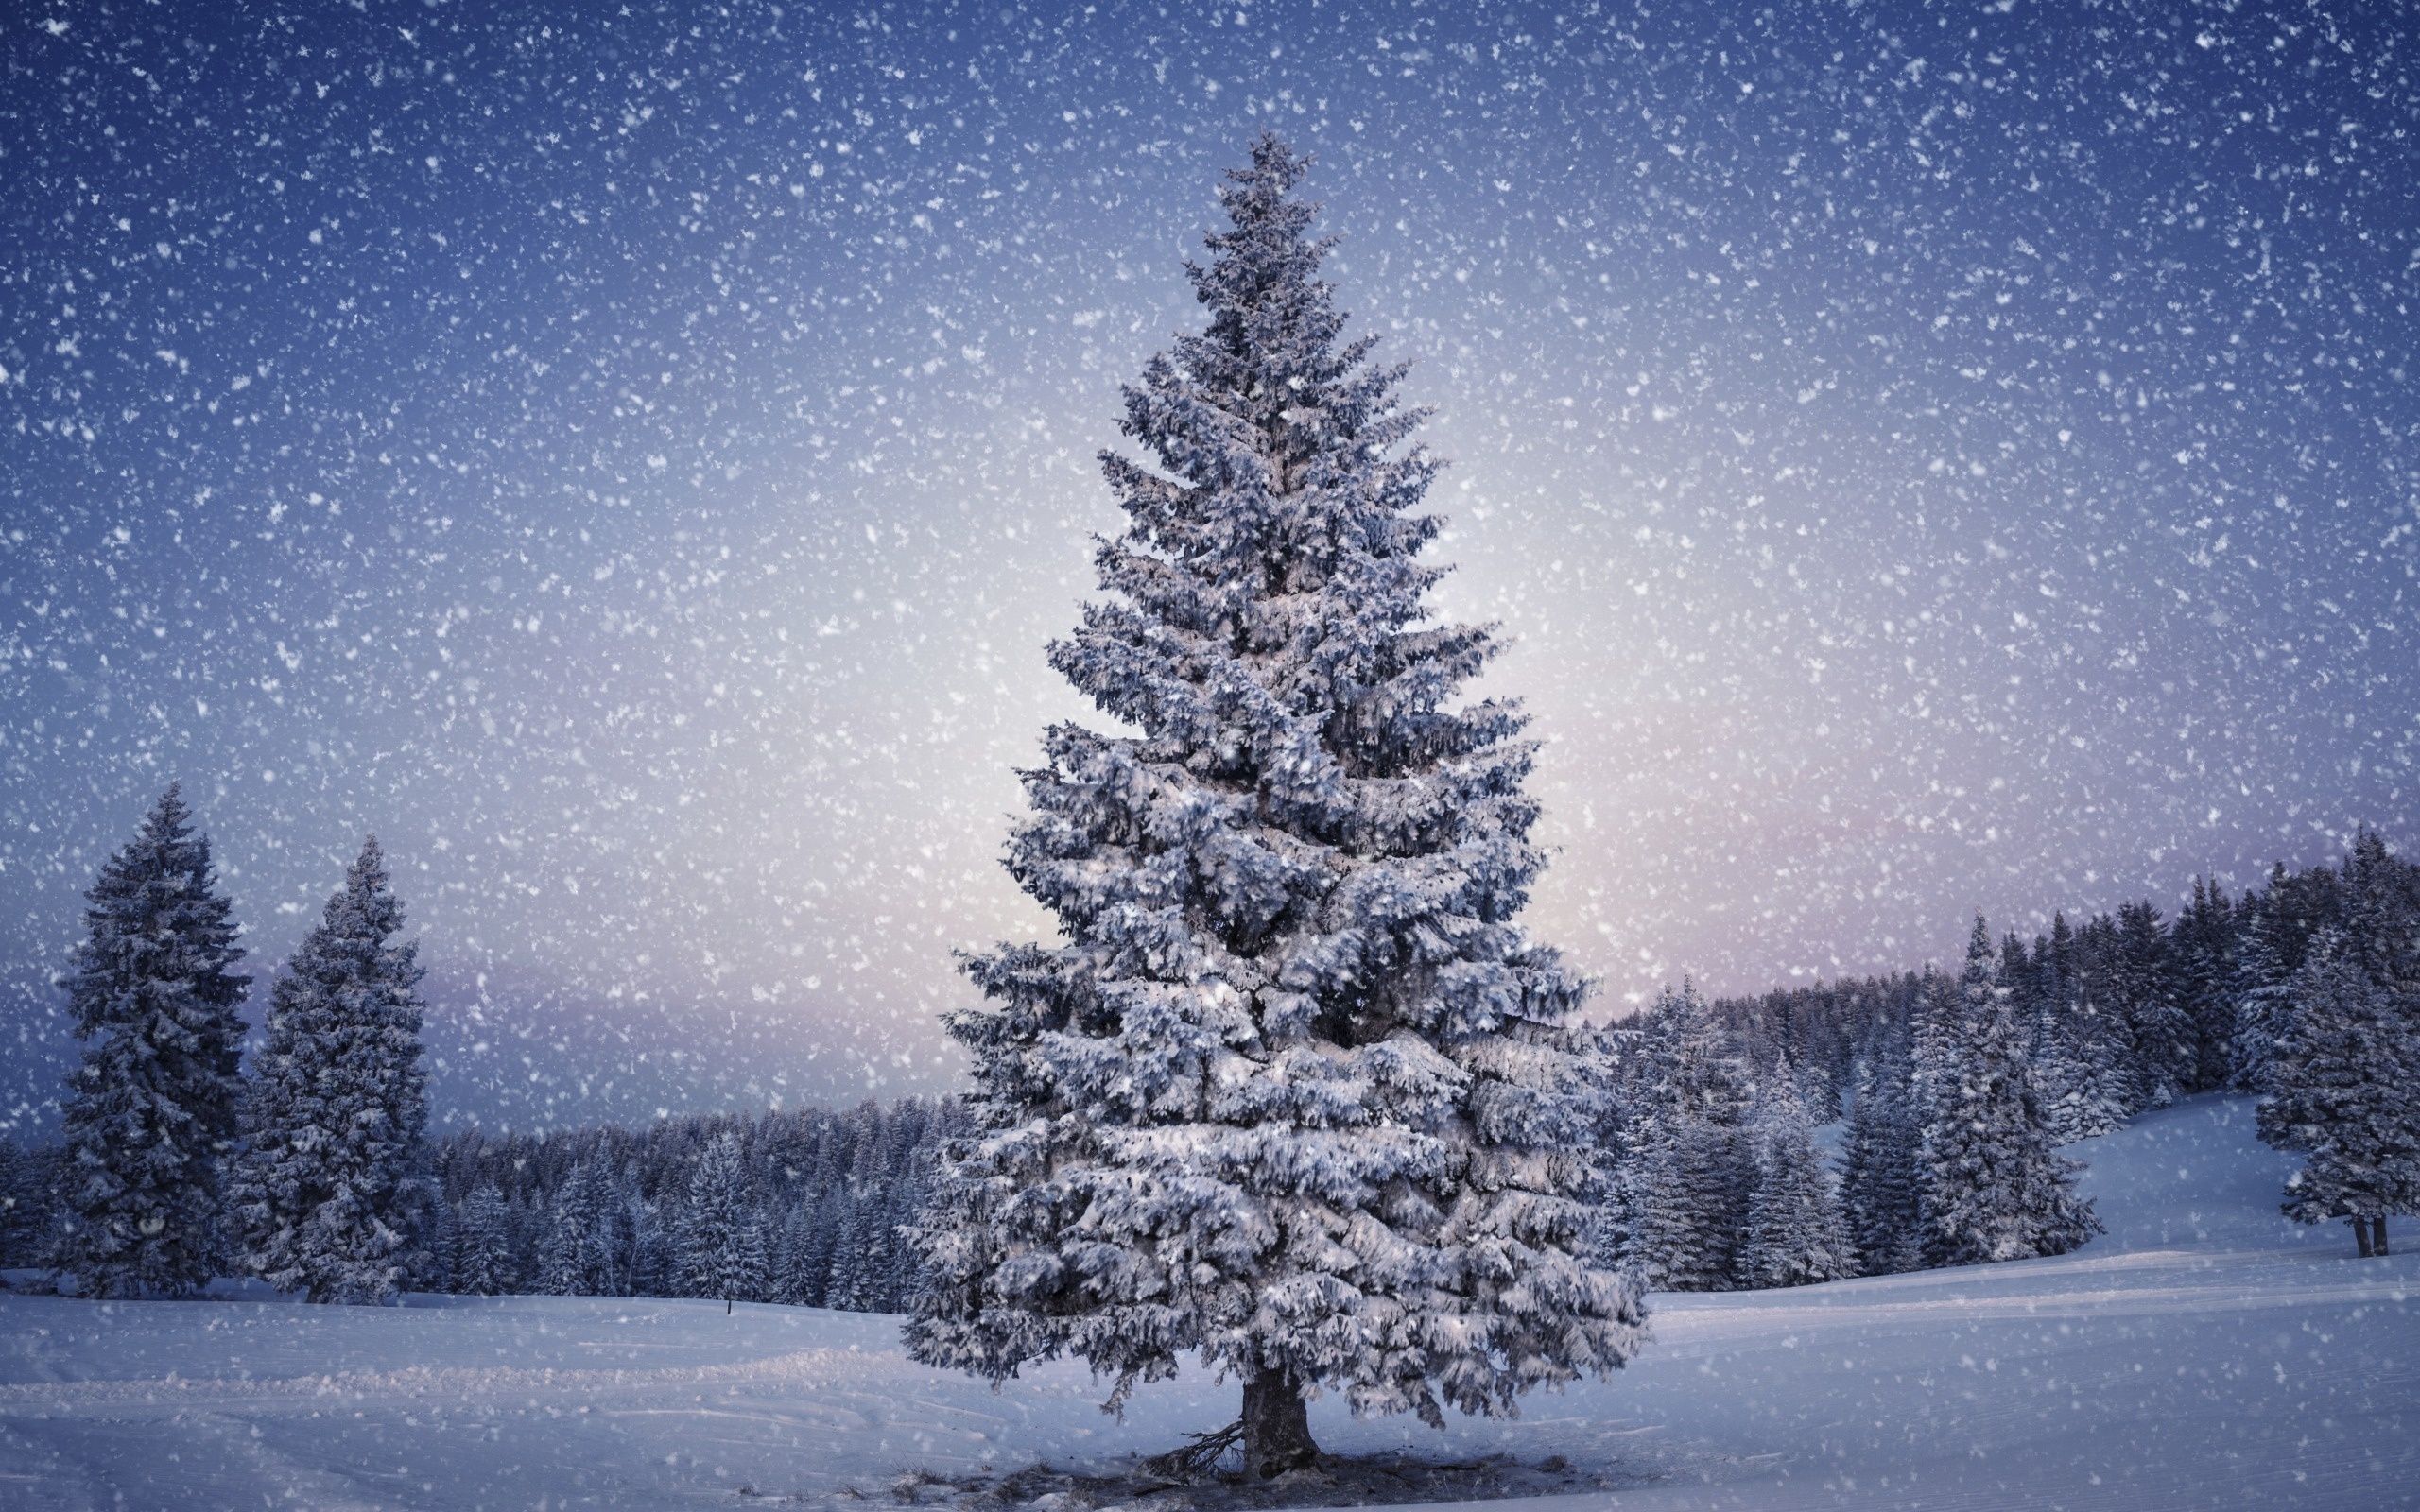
pixel 2203 1352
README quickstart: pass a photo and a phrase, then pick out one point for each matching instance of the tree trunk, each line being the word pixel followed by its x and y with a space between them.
pixel 1277 1427
pixel 2361 1234
pixel 2377 1234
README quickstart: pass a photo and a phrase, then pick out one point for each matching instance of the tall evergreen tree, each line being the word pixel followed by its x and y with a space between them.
pixel 2144 989
pixel 1881 1186
pixel 150 1114
pixel 483 1247
pixel 1295 1093
pixel 1995 1189
pixel 2265 971
pixel 584 1236
pixel 2344 1079
pixel 1795 1233
pixel 2205 946
pixel 722 1236
pixel 1690 1158
pixel 331 1189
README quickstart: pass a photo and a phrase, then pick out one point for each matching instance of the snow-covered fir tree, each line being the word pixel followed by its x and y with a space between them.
pixel 2265 968
pixel 1795 1232
pixel 585 1237
pixel 1993 1188
pixel 1881 1168
pixel 331 1189
pixel 2205 946
pixel 1689 1158
pixel 646 1262
pixel 721 1236
pixel 27 1176
pixel 150 1113
pixel 483 1249
pixel 1294 1093
pixel 2344 1077
pixel 2081 1072
pixel 2143 988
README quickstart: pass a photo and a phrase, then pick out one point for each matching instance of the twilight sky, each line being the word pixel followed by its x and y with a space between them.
pixel 1930 457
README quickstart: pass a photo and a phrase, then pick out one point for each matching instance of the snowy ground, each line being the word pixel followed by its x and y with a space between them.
pixel 2205 1353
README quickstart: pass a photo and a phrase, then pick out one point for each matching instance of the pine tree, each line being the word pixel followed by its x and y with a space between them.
pixel 722 1241
pixel 583 1236
pixel 483 1248
pixel 1691 1159
pixel 1795 1233
pixel 331 1191
pixel 1881 1184
pixel 648 1258
pixel 1294 1094
pixel 2081 1074
pixel 2344 1077
pixel 1993 1188
pixel 2265 971
pixel 794 1282
pixel 26 1207
pixel 150 1114
pixel 2206 949
pixel 2166 1044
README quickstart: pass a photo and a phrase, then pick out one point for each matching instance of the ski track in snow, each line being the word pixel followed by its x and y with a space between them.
pixel 2205 1353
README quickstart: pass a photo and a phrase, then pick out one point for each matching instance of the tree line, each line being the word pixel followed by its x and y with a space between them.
pixel 1950 1093
pixel 1952 1090
pixel 313 1170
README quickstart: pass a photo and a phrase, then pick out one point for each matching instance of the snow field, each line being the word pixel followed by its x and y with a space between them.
pixel 2204 1352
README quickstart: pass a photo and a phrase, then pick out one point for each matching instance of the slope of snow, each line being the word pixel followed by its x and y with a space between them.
pixel 2205 1353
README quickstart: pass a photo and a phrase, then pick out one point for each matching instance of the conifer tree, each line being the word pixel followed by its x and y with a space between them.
pixel 2265 971
pixel 2338 1099
pixel 2204 945
pixel 1691 1161
pixel 483 1258
pixel 583 1236
pixel 330 1192
pixel 2166 1043
pixel 1881 1185
pixel 2081 1075
pixel 722 1241
pixel 1294 1093
pixel 25 1177
pixel 150 1113
pixel 1795 1233
pixel 647 1267
pixel 2344 1079
pixel 1993 1188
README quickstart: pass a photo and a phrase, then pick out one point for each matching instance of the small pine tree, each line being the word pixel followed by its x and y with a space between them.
pixel 1795 1233
pixel 723 1242
pixel 331 1192
pixel 150 1114
pixel 1993 1188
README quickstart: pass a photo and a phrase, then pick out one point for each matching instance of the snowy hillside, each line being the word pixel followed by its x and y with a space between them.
pixel 2204 1352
